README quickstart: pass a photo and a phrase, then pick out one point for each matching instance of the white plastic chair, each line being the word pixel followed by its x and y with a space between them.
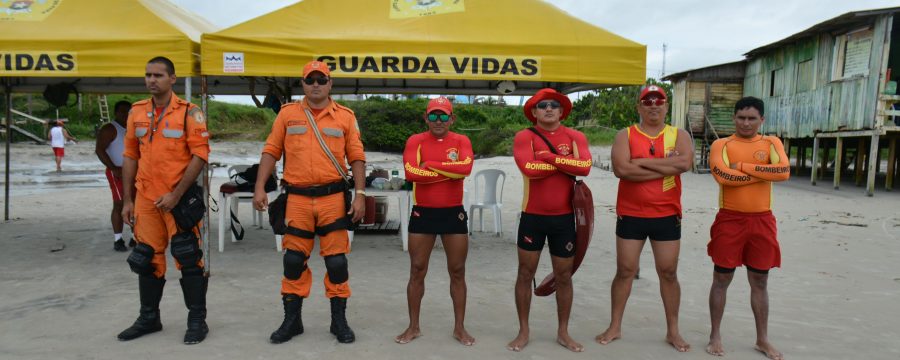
pixel 486 196
pixel 230 202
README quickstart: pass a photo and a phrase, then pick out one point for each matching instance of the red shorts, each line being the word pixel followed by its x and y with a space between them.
pixel 115 185
pixel 59 152
pixel 739 238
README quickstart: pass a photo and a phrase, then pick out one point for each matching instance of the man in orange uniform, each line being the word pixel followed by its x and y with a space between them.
pixel 648 159
pixel 547 212
pixel 165 149
pixel 744 233
pixel 316 201
pixel 437 162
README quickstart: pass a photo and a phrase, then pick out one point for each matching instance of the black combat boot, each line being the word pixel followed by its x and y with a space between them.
pixel 292 324
pixel 194 288
pixel 151 290
pixel 339 326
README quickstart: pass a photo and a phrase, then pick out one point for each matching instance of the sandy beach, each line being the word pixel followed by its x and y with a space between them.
pixel 65 294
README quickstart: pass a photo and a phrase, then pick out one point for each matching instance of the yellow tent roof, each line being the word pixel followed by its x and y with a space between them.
pixel 490 40
pixel 96 38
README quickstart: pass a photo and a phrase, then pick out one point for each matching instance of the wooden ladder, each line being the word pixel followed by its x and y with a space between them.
pixel 104 109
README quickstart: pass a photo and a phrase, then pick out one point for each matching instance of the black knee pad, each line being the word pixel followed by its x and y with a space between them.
pixel 294 264
pixel 337 267
pixel 188 271
pixel 140 260
pixel 186 250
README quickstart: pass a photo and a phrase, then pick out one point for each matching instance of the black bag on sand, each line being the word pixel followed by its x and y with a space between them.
pixel 277 210
pixel 190 208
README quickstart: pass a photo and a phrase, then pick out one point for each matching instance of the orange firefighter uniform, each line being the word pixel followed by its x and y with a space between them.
pixel 162 143
pixel 306 165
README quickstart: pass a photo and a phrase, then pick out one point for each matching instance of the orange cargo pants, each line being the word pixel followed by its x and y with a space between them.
pixel 155 227
pixel 306 213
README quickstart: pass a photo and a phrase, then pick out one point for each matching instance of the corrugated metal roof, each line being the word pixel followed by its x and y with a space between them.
pixel 840 22
pixel 687 73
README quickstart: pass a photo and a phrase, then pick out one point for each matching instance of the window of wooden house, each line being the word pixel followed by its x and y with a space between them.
pixel 851 54
pixel 806 78
pixel 776 82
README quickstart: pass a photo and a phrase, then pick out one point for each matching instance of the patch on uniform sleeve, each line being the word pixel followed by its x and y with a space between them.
pixel 201 132
pixel 197 114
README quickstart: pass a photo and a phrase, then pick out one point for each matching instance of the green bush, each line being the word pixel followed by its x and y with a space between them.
pixel 384 124
pixel 239 122
pixel 226 121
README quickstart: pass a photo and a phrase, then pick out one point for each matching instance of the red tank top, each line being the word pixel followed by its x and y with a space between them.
pixel 653 198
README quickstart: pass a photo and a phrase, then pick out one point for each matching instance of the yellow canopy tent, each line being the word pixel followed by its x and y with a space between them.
pixel 105 44
pixel 444 46
pixel 44 40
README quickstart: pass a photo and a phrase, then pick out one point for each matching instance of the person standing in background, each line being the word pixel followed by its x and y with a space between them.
pixel 109 148
pixel 58 135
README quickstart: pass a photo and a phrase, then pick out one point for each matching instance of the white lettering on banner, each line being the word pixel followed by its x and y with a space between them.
pixel 452 66
pixel 233 62
pixel 20 62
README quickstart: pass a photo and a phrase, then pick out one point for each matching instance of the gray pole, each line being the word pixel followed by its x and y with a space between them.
pixel 206 178
pixel 7 88
pixel 187 90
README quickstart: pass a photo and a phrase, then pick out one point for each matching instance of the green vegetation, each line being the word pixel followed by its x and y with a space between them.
pixel 230 121
pixel 612 108
pixel 385 124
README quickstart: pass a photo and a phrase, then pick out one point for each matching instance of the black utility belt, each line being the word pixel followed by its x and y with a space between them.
pixel 320 190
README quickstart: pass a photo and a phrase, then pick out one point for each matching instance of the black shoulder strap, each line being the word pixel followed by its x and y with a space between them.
pixel 550 145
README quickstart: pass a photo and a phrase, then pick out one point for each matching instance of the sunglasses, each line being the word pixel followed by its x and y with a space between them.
pixel 653 102
pixel 543 105
pixel 435 117
pixel 321 80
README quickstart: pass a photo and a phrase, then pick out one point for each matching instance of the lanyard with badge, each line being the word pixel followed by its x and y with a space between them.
pixel 159 119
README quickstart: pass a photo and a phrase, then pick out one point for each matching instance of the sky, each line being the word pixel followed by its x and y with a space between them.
pixel 697 33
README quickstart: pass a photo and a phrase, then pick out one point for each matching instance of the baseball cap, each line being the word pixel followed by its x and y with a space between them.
pixel 440 103
pixel 316 66
pixel 653 89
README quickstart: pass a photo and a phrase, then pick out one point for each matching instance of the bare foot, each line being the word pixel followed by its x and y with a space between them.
pixel 608 336
pixel 715 347
pixel 409 335
pixel 766 348
pixel 569 343
pixel 518 343
pixel 463 337
pixel 678 343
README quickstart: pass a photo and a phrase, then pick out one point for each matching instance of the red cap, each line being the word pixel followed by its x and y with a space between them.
pixel 316 66
pixel 652 89
pixel 440 103
pixel 547 94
